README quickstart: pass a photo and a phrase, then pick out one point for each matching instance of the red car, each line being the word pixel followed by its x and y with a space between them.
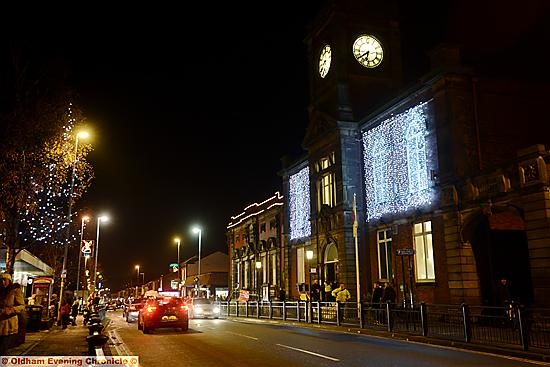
pixel 163 312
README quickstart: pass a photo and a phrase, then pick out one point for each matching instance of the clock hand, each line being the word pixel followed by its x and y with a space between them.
pixel 366 55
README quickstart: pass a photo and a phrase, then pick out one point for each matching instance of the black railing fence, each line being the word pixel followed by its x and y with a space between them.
pixel 512 326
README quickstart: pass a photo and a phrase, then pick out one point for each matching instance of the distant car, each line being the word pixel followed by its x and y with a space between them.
pixel 163 312
pixel 131 310
pixel 203 308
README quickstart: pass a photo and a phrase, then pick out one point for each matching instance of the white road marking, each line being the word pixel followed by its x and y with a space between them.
pixel 244 336
pixel 309 352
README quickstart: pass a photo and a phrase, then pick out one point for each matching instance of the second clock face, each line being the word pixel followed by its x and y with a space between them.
pixel 368 51
pixel 324 61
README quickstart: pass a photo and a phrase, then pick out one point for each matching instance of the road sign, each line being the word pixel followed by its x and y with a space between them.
pixel 404 251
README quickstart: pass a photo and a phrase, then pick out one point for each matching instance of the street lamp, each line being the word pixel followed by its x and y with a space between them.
pixel 84 220
pixel 199 231
pixel 309 256
pixel 83 135
pixel 177 240
pixel 99 220
pixel 137 278
pixel 258 267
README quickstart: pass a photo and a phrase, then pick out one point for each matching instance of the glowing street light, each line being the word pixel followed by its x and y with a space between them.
pixel 258 267
pixel 101 218
pixel 83 135
pixel 199 231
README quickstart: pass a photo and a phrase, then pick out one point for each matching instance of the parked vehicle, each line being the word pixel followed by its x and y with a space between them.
pixel 131 310
pixel 163 312
pixel 203 308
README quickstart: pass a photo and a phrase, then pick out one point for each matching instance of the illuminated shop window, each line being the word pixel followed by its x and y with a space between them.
pixel 396 160
pixel 326 183
pixel 299 204
pixel 384 244
pixel 424 254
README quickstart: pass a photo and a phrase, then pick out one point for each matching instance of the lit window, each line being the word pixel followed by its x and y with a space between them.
pixel 384 242
pixel 424 255
pixel 327 189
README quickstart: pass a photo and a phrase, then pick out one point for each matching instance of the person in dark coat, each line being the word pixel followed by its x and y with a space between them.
pixel 74 311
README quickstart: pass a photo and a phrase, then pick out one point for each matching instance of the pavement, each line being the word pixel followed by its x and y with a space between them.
pixel 72 340
pixel 57 341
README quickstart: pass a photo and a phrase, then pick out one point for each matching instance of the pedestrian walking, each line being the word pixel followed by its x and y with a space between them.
pixel 12 304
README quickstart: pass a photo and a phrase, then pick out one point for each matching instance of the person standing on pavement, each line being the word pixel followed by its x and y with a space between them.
pixel 12 303
pixel 315 291
pixel 342 295
pixel 74 311
pixel 65 313
pixel 328 292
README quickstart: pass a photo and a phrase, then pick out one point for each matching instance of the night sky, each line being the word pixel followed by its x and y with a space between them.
pixel 193 108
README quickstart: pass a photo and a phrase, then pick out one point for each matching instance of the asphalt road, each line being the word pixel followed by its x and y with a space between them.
pixel 272 344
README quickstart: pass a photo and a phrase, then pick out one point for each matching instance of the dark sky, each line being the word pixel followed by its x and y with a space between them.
pixel 194 104
pixel 192 117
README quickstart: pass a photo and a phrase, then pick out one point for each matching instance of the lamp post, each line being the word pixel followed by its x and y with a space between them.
pixel 82 134
pixel 142 278
pixel 99 220
pixel 177 240
pixel 309 256
pixel 199 231
pixel 84 220
pixel 258 267
pixel 137 278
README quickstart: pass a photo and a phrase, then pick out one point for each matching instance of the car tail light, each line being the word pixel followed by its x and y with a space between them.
pixel 151 308
pixel 184 308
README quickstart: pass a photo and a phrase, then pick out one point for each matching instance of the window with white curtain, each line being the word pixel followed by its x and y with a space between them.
pixel 424 254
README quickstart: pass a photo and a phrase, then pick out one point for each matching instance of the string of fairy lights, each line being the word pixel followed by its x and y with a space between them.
pixel 395 155
pixel 396 158
pixel 48 223
pixel 299 204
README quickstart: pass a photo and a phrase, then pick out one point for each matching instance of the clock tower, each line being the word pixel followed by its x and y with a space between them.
pixel 354 67
pixel 354 60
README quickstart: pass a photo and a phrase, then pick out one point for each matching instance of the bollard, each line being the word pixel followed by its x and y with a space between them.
pixel 95 328
pixel 95 341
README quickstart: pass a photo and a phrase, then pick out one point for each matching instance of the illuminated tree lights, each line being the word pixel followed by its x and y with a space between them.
pixel 396 161
pixel 299 204
pixel 44 220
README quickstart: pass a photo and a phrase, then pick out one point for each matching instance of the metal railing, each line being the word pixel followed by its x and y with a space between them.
pixel 512 326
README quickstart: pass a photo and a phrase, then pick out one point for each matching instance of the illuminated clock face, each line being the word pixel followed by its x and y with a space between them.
pixel 368 51
pixel 324 61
